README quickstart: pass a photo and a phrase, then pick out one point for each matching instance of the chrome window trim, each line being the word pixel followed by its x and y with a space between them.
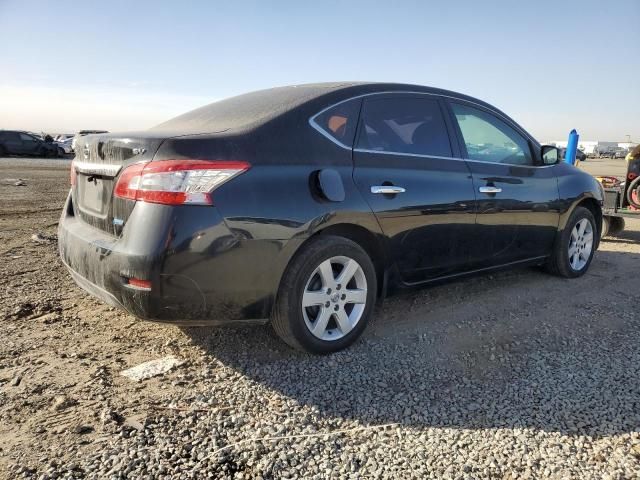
pixel 511 123
pixel 324 132
pixel 459 159
pixel 420 155
pixel 509 164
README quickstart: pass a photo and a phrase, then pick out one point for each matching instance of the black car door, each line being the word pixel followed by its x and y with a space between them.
pixel 12 143
pixel 517 197
pixel 416 183
pixel 30 144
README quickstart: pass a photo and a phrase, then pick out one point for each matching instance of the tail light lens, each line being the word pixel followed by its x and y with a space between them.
pixel 176 182
pixel 138 284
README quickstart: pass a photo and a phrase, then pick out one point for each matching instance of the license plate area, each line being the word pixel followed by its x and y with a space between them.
pixel 93 195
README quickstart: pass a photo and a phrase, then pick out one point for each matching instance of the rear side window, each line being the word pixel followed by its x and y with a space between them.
pixel 404 125
pixel 340 121
pixel 10 136
pixel 489 139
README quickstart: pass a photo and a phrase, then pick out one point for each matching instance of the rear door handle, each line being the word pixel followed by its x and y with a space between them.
pixel 489 189
pixel 388 189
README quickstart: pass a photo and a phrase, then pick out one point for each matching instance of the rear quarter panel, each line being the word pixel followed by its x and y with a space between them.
pixel 276 205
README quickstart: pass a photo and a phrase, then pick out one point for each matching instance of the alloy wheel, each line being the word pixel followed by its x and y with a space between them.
pixel 580 244
pixel 334 298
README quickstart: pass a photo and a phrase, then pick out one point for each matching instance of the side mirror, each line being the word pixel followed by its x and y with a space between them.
pixel 550 155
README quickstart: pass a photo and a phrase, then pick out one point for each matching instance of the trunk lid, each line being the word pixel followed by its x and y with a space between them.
pixel 98 161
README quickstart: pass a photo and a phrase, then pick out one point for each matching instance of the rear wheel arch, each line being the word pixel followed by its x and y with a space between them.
pixel 368 242
pixel 358 234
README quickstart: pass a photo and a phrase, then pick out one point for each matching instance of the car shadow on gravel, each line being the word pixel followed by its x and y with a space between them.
pixel 626 236
pixel 568 361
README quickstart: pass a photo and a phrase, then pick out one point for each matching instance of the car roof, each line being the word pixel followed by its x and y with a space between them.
pixel 26 132
pixel 255 108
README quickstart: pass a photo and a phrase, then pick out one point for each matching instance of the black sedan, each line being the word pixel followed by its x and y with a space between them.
pixel 305 205
pixel 16 142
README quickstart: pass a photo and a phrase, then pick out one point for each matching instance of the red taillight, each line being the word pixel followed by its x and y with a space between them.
pixel 139 284
pixel 72 174
pixel 176 182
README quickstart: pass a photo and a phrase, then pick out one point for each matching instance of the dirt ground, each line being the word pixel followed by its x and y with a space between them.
pixel 61 351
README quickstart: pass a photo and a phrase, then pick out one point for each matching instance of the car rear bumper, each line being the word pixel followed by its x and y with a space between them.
pixel 201 273
pixel 94 289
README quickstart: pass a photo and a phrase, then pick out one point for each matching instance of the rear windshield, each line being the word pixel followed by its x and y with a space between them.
pixel 244 110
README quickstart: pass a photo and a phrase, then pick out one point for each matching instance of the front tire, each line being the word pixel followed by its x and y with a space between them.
pixel 326 296
pixel 575 245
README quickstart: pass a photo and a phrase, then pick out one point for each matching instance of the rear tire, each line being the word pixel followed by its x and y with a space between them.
pixel 315 310
pixel 574 246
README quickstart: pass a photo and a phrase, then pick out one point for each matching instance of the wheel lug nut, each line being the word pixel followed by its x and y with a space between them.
pixel 343 296
pixel 336 308
pixel 327 304
pixel 328 291
pixel 338 287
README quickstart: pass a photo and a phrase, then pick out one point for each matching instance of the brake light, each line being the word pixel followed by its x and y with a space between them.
pixel 72 174
pixel 138 284
pixel 176 182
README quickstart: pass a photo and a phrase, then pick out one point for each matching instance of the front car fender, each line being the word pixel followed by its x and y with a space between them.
pixel 575 187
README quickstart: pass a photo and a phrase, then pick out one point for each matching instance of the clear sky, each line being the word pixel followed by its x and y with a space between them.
pixel 122 65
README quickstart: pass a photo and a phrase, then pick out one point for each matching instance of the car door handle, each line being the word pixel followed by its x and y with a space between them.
pixel 388 189
pixel 489 189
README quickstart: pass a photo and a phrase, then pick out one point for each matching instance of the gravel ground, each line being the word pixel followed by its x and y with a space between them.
pixel 512 375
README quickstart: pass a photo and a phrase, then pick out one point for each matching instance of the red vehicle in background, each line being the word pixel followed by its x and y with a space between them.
pixel 622 199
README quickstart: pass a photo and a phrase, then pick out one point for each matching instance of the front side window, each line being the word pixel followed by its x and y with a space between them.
pixel 489 139
pixel 404 125
pixel 340 121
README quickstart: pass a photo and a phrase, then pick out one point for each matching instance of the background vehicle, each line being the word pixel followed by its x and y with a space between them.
pixel 580 155
pixel 16 142
pixel 65 145
pixel 620 153
pixel 622 198
pixel 63 137
pixel 83 133
pixel 303 205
